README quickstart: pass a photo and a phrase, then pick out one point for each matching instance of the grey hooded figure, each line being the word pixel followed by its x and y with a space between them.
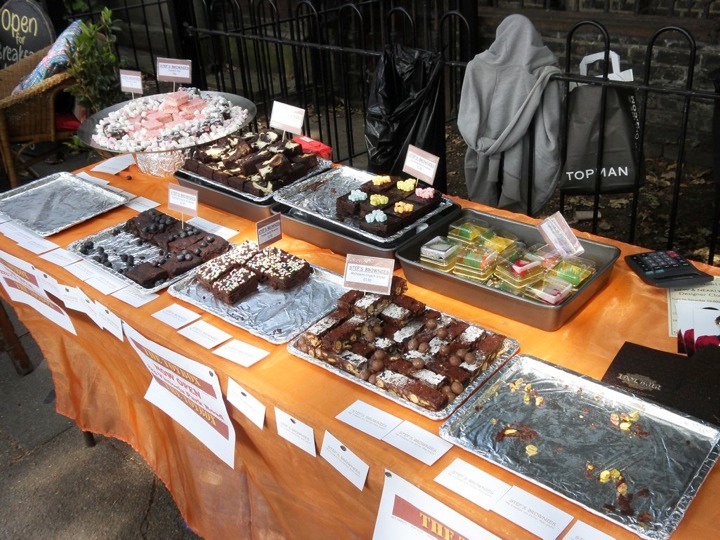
pixel 507 91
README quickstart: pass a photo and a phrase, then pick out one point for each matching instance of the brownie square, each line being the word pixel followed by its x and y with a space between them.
pixel 147 274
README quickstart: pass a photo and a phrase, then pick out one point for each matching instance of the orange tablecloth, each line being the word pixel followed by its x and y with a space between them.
pixel 276 487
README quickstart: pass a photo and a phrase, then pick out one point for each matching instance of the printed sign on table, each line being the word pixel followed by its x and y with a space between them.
pixel 23 286
pixel 189 392
pixel 411 514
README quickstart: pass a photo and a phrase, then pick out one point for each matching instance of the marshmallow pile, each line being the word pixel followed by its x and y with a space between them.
pixel 172 121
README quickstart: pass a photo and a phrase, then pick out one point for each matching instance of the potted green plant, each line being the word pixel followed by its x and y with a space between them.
pixel 94 65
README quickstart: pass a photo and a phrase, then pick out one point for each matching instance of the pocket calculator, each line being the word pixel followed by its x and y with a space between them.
pixel 666 269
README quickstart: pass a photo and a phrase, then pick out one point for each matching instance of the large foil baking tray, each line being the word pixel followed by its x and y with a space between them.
pixel 274 315
pixel 56 202
pixel 662 456
pixel 508 349
pixel 323 165
pixel 114 240
pixel 316 198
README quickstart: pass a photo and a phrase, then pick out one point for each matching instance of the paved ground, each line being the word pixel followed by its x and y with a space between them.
pixel 51 484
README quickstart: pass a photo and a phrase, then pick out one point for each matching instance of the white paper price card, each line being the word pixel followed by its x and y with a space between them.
pixel 214 228
pixel 141 204
pixel 296 432
pixel 241 353
pixel 368 419
pixel 176 316
pixel 557 234
pixel 131 81
pixel 421 164
pixel 109 321
pixel 205 334
pixel 345 462
pixel 409 513
pixel 415 441
pixel 287 118
pixel 134 297
pixel 470 482
pixel 583 531
pixel 115 164
pixel 532 513
pixel 247 404
pixel 183 199
pixel 61 257
pixel 369 274
pixel 174 70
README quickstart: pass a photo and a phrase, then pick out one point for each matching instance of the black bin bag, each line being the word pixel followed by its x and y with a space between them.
pixel 405 107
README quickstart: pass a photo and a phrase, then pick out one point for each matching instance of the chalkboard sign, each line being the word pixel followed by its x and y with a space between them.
pixel 24 29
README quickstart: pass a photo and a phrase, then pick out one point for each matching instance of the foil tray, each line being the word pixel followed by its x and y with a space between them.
pixel 114 240
pixel 509 348
pixel 274 315
pixel 322 165
pixel 56 202
pixel 316 198
pixel 664 456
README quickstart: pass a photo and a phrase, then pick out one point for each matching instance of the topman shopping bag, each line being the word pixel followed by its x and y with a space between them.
pixel 619 168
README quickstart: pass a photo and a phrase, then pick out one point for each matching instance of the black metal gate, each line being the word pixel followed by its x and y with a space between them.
pixel 320 55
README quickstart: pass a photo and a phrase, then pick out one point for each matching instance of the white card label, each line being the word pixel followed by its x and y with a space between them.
pixel 287 118
pixel 558 235
pixel 583 531
pixel 368 419
pixel 176 316
pixel 418 443
pixel 369 274
pixel 344 461
pixel 247 404
pixel 205 334
pixel 183 199
pixel 174 70
pixel 269 231
pixel 131 81
pixel 241 353
pixel 532 513
pixel 421 164
pixel 470 482
pixel 294 431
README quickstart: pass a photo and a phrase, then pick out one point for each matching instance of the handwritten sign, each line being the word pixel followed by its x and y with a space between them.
pixel 24 29
pixel 421 164
pixel 369 274
pixel 174 70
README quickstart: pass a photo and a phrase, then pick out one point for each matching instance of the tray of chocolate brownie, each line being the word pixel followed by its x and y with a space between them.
pixel 151 250
pixel 383 209
pixel 627 459
pixel 269 292
pixel 251 165
pixel 403 350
